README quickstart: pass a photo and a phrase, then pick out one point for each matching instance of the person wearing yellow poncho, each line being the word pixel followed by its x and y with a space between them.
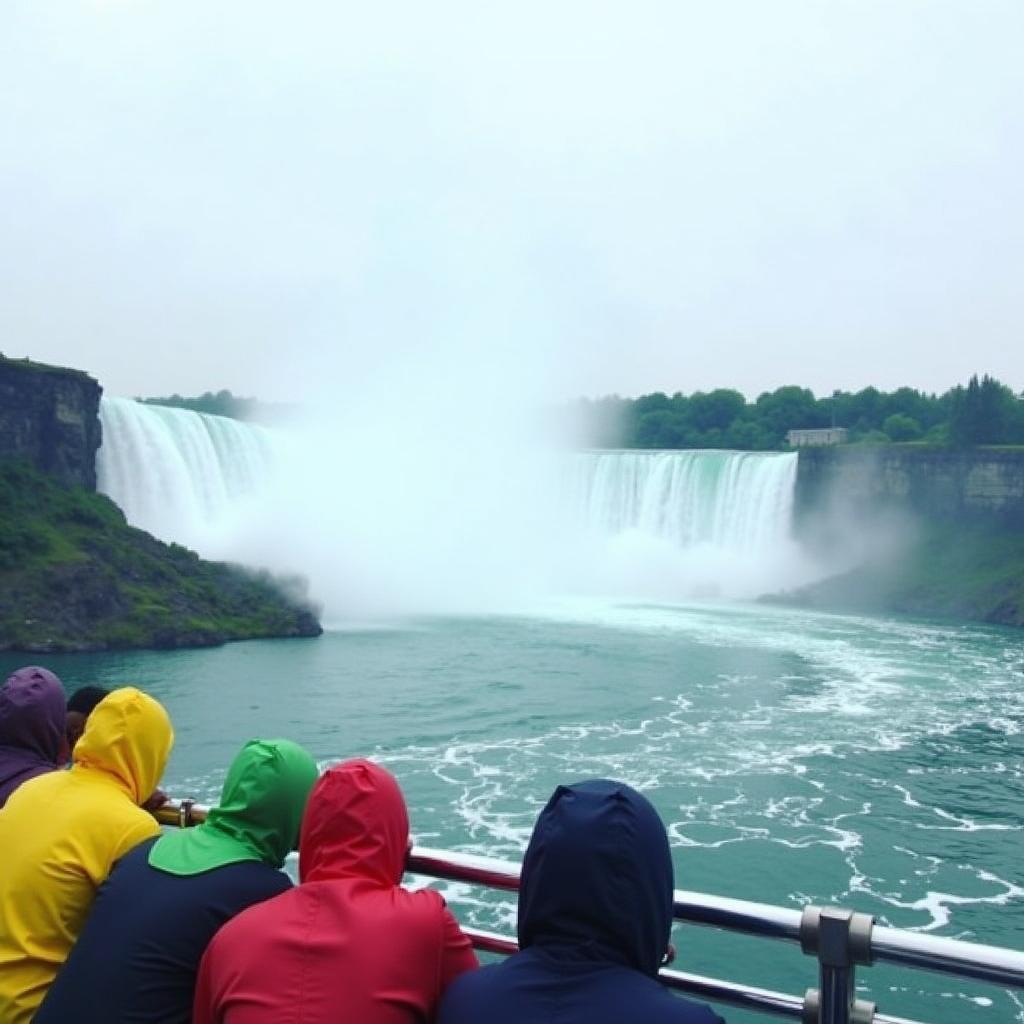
pixel 61 833
pixel 137 957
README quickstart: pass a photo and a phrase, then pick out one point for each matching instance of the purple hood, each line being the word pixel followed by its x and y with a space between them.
pixel 32 714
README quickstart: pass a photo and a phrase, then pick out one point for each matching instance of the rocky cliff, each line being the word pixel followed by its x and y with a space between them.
pixel 915 531
pixel 74 576
pixel 49 418
pixel 938 484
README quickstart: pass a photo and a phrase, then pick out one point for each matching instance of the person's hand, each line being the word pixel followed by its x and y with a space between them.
pixel 156 801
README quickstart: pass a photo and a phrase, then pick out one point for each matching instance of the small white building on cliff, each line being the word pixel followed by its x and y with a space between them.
pixel 812 436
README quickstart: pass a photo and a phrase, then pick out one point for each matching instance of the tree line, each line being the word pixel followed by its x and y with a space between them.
pixel 224 403
pixel 982 412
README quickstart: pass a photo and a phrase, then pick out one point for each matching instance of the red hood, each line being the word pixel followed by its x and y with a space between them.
pixel 356 826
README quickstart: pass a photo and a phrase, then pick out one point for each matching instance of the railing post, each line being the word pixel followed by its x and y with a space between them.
pixel 840 939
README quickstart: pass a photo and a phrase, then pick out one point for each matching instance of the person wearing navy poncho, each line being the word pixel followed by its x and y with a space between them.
pixel 138 955
pixel 595 915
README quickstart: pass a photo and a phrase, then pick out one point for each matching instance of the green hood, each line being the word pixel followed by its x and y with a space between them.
pixel 258 817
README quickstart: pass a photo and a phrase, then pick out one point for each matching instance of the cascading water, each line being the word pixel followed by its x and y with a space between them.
pixel 738 500
pixel 181 475
pixel 645 524
pixel 683 524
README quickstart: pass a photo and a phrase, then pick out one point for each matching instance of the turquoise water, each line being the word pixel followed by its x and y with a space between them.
pixel 794 757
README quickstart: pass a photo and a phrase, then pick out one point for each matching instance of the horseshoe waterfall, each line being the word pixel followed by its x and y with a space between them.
pixel 647 523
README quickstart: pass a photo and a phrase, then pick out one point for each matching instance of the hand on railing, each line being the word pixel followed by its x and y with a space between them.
pixel 156 801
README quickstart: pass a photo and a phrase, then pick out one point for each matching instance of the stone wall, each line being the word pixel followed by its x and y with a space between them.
pixel 49 417
pixel 948 485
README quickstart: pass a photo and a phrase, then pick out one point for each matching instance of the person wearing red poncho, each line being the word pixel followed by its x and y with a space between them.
pixel 348 943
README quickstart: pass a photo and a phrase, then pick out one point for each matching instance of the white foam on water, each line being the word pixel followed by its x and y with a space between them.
pixel 939 906
pixel 965 824
pixel 1018 1002
pixel 719 769
pixel 768 764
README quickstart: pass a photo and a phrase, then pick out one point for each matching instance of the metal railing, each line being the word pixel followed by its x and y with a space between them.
pixel 840 940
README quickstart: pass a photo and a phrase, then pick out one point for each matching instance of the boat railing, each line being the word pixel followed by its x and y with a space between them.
pixel 839 940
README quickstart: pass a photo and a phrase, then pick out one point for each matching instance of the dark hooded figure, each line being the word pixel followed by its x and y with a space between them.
pixel 80 706
pixel 595 914
pixel 31 727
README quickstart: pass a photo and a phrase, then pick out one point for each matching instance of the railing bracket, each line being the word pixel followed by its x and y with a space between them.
pixel 841 940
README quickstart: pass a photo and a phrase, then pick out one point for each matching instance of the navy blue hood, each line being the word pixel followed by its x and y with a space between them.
pixel 597 878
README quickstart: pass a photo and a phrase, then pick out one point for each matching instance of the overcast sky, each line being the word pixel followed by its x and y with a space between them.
pixel 610 197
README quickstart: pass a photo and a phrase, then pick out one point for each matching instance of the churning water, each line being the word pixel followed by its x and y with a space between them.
pixel 794 757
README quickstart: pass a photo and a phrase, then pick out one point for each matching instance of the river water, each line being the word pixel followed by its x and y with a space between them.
pixel 794 757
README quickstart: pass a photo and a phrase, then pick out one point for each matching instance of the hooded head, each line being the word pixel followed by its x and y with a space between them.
pixel 31 727
pixel 597 877
pixel 80 705
pixel 258 816
pixel 356 826
pixel 128 737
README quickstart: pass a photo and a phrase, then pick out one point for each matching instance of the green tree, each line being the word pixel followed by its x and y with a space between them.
pixel 982 413
pixel 865 410
pixel 746 435
pixel 901 427
pixel 717 409
pixel 658 429
pixel 787 408
pixel 876 437
pixel 910 402
pixel 1015 421
pixel 654 402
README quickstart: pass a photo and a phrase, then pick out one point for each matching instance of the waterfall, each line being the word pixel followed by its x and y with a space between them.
pixel 684 524
pixel 742 501
pixel 647 524
pixel 180 475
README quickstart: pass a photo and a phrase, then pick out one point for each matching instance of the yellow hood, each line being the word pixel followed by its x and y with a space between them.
pixel 128 736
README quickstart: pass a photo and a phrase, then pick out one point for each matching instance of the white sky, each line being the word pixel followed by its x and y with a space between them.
pixel 573 197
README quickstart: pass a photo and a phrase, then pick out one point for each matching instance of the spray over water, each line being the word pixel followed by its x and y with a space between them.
pixel 452 520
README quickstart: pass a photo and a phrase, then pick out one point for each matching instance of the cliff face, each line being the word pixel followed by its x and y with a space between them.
pixel 944 485
pixel 49 417
pixel 915 531
pixel 74 576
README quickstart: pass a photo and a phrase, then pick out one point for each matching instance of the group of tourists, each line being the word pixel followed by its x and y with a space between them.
pixel 105 920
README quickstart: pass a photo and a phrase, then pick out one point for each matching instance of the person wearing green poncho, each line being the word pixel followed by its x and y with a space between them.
pixel 137 957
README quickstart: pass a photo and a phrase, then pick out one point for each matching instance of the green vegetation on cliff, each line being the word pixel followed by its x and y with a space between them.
pixel 948 570
pixel 984 412
pixel 74 576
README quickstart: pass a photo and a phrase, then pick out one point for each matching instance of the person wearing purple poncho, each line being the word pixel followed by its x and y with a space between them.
pixel 32 714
